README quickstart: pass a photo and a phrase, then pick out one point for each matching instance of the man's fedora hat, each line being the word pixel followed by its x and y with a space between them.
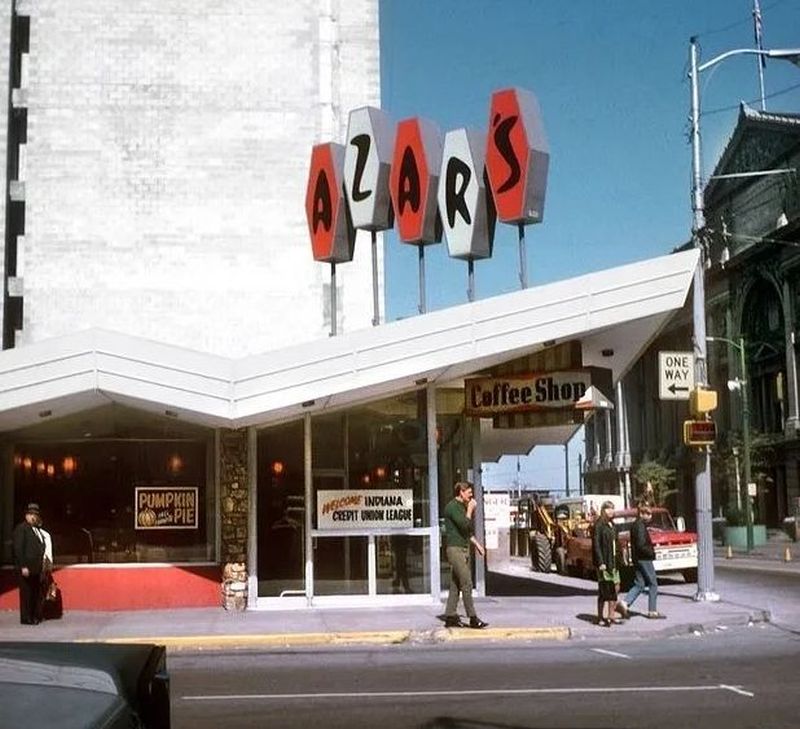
pixel 32 508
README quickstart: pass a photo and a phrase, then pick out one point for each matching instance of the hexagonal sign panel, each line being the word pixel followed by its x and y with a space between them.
pixel 367 163
pixel 414 181
pixel 517 156
pixel 332 234
pixel 465 202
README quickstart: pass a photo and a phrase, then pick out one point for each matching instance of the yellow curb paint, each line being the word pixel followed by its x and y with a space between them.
pixel 381 637
pixel 273 639
pixel 554 633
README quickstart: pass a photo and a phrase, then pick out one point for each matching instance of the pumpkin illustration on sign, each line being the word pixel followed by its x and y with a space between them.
pixel 147 518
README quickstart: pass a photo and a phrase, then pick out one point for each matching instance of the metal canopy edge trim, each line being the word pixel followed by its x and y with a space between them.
pixel 353 367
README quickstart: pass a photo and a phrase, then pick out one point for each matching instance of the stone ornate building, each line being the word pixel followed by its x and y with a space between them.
pixel 752 239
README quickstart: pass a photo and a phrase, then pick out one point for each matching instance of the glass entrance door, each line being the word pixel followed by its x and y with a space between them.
pixel 281 512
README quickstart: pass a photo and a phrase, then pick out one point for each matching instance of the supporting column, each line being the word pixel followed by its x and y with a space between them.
pixel 234 490
pixel 608 456
pixel 252 521
pixel 792 424
pixel 433 494
pixel 309 503
pixel 622 458
pixel 480 524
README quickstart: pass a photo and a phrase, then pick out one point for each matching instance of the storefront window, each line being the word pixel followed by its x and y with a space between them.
pixel 118 499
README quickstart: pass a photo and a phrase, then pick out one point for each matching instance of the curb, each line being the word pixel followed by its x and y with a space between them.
pixel 380 637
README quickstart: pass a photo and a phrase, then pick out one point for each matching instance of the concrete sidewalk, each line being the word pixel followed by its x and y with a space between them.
pixel 563 608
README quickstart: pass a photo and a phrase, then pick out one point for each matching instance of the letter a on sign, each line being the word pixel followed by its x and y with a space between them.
pixel 332 234
pixel 465 202
pixel 414 180
pixel 517 156
pixel 367 161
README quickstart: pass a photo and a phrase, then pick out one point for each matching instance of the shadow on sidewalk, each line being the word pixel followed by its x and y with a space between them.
pixel 499 585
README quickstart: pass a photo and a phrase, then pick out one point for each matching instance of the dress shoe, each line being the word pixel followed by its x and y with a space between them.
pixel 477 623
pixel 453 621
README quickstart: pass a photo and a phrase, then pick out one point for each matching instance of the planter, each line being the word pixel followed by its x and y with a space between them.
pixel 736 536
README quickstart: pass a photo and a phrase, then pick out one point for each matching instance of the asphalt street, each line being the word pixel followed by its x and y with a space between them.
pixel 737 678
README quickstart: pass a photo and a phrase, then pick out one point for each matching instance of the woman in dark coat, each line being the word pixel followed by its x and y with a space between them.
pixel 605 551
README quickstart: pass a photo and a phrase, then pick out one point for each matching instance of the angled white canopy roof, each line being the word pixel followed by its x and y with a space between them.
pixel 615 313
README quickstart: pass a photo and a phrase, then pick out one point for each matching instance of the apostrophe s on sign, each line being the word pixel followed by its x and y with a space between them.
pixel 517 156
pixel 414 180
pixel 332 234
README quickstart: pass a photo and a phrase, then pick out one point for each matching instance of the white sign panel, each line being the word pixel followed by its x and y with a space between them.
pixel 365 509
pixel 675 375
pixel 497 508
pixel 367 159
pixel 465 204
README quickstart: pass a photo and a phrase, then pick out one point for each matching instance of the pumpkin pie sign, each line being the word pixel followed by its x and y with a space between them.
pixel 166 507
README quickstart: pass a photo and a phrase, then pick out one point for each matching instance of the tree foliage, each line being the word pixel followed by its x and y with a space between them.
pixel 661 477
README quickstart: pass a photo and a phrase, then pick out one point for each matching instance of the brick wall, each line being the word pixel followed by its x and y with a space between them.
pixel 166 164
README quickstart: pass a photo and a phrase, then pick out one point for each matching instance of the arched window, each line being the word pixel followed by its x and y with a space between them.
pixel 762 326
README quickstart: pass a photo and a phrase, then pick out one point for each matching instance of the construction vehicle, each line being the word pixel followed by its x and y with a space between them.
pixel 552 523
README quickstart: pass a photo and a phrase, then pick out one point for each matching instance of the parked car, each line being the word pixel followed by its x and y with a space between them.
pixel 83 685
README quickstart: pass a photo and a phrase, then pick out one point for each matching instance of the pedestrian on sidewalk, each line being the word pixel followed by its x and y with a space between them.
pixel 28 552
pixel 642 554
pixel 459 535
pixel 605 551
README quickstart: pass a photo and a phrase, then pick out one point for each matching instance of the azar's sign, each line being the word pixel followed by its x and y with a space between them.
pixel 488 396
pixel 365 509
pixel 166 507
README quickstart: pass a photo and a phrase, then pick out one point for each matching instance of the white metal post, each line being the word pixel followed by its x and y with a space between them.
pixel 702 479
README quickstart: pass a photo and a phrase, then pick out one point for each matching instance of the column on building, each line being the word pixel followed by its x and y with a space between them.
pixel 234 515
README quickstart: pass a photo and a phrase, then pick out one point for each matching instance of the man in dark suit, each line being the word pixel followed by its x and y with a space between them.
pixel 28 548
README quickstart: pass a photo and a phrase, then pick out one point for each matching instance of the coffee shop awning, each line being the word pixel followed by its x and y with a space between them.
pixel 614 313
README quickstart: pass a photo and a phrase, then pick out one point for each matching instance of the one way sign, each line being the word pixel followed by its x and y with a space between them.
pixel 675 375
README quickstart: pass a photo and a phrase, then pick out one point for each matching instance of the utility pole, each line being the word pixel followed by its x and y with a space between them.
pixel 702 479
pixel 566 467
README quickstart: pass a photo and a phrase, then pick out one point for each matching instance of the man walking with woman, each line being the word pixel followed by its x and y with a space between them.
pixel 643 554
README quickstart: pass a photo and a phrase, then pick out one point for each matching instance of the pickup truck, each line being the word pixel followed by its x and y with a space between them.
pixel 676 549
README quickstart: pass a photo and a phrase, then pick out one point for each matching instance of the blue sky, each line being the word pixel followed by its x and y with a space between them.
pixel 610 76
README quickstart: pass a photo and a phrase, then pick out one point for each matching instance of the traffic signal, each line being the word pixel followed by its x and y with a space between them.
pixel 702 401
pixel 699 432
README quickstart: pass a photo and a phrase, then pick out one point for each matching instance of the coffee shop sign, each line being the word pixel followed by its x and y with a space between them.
pixel 488 396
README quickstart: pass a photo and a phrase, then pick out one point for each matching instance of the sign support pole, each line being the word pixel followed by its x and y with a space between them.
pixel 422 305
pixel 376 315
pixel 470 280
pixel 523 258
pixel 333 299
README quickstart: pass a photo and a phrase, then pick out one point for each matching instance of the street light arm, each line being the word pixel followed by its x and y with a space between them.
pixel 737 345
pixel 722 56
pixel 787 54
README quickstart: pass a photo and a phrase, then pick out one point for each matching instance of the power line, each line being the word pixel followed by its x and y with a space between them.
pixel 751 101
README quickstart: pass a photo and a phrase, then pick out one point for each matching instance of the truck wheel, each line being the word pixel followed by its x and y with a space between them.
pixel 541 554
pixel 561 560
pixel 690 575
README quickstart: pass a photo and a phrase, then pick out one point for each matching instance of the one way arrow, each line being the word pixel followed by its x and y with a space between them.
pixel 673 388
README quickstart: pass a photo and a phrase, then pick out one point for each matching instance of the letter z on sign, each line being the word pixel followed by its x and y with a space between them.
pixel 675 375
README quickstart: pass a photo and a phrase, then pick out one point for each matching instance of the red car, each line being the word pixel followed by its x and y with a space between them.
pixel 676 549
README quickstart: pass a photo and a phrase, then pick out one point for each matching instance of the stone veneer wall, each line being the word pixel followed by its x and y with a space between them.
pixel 233 494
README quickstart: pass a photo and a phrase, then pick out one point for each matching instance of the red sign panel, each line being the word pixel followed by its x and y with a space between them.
pixel 332 234
pixel 517 157
pixel 414 181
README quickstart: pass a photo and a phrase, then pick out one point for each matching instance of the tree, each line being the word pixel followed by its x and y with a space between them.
pixel 661 478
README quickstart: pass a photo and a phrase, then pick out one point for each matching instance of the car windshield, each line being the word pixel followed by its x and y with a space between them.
pixel 661 521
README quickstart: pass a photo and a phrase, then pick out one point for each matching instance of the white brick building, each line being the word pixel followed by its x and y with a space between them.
pixel 163 155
